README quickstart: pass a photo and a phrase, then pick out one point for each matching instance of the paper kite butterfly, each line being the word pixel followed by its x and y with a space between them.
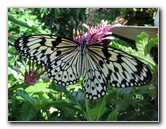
pixel 99 65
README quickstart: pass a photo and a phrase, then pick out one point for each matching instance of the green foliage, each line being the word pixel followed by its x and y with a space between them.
pixel 26 96
pixel 46 101
pixel 113 116
pixel 96 112
pixel 20 23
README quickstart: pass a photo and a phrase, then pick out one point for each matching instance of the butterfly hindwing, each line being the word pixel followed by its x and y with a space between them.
pixel 119 68
pixel 66 68
pixel 93 82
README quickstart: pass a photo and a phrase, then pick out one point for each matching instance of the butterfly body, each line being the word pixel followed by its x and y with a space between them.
pixel 99 65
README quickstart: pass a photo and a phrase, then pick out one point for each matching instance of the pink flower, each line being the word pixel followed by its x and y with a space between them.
pixel 31 74
pixel 95 35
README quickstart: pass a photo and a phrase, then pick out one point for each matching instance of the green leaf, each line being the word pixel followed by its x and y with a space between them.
pixel 13 72
pixel 58 27
pixel 116 45
pixel 95 113
pixel 56 13
pixel 14 102
pixel 45 10
pixel 78 95
pixel 39 87
pixel 142 42
pixel 123 104
pixel 154 116
pixel 111 95
pixel 65 104
pixel 61 88
pixel 26 96
pixel 20 23
pixel 122 91
pixel 151 43
pixel 113 116
pixel 28 111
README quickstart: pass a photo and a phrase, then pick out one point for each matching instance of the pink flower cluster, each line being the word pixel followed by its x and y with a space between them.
pixel 31 75
pixel 95 35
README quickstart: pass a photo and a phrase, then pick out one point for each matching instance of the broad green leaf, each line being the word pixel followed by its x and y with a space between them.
pixel 26 96
pixel 142 42
pixel 28 111
pixel 113 116
pixel 95 113
pixel 152 42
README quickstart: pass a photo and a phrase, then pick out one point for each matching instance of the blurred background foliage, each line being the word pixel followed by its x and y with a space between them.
pixel 46 101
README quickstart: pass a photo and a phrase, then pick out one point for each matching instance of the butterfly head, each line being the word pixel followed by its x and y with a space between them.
pixel 83 47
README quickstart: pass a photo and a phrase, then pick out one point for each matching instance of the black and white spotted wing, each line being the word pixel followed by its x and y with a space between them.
pixel 40 48
pixel 61 55
pixel 105 65
pixel 67 61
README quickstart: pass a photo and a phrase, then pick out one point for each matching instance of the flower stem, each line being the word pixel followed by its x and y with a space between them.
pixel 13 88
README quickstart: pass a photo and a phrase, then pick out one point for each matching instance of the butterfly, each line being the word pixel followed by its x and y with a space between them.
pixel 98 65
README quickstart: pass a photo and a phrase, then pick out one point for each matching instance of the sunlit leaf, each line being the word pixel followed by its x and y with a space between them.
pixel 38 87
pixel 142 42
pixel 26 96
pixel 20 23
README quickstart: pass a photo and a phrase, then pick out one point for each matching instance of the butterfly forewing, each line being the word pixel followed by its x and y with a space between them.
pixel 61 55
pixel 40 47
pixel 35 48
